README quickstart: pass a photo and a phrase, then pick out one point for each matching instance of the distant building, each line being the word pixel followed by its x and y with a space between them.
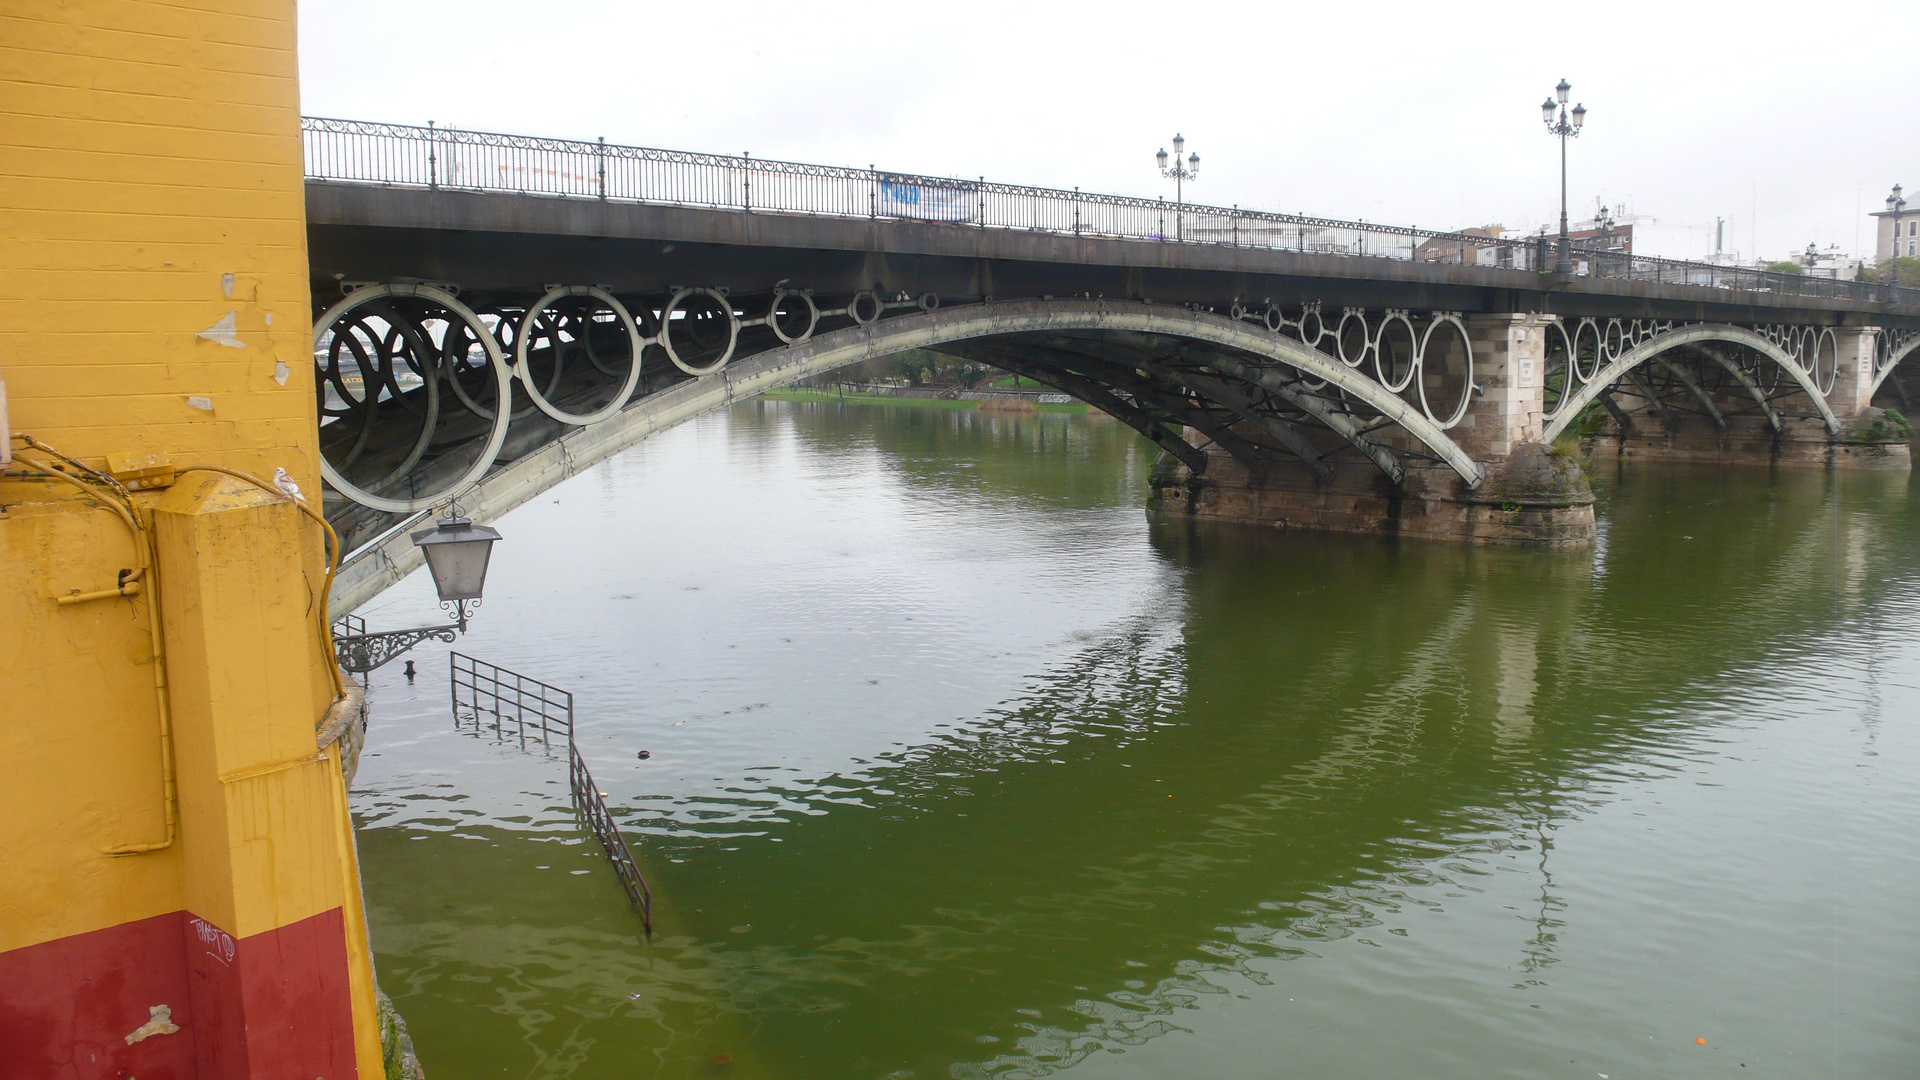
pixel 1907 243
pixel 1831 263
pixel 1606 235
pixel 1453 249
pixel 1618 229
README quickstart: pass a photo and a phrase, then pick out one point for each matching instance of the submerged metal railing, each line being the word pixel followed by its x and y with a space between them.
pixel 593 807
pixel 440 157
pixel 531 705
pixel 520 705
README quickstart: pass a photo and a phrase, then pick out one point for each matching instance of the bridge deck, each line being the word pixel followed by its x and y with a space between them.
pixel 505 244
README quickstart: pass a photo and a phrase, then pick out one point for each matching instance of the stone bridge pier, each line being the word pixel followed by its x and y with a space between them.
pixel 1529 493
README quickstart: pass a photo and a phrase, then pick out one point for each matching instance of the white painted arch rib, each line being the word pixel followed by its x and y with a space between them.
pixel 1723 333
pixel 390 557
pixel 1899 354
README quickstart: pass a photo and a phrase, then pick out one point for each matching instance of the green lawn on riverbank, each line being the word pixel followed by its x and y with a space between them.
pixel 797 393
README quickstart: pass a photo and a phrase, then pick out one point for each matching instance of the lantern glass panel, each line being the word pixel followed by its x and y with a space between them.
pixel 457 553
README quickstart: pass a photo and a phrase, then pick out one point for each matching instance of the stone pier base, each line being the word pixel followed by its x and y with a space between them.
pixel 1872 439
pixel 1535 498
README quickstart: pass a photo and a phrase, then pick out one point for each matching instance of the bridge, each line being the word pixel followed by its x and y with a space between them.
pixel 500 312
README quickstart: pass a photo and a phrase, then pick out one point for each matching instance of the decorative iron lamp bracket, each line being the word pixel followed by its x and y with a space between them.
pixel 361 653
pixel 456 552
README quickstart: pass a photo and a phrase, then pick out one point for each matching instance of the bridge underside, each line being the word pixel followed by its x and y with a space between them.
pixel 1283 387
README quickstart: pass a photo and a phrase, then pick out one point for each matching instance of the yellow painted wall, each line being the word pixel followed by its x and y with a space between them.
pixel 146 150
pixel 151 186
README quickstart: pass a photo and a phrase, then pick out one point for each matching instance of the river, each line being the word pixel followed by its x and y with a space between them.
pixel 962 767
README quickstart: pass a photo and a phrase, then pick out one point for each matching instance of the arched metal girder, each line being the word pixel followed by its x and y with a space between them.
pixel 1284 383
pixel 1343 424
pixel 1128 371
pixel 1091 392
pixel 1686 379
pixel 1893 362
pixel 372 568
pixel 1696 334
pixel 1280 430
pixel 1746 380
pixel 1639 384
pixel 1169 399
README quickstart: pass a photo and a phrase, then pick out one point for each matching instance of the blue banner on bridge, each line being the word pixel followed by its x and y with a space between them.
pixel 939 200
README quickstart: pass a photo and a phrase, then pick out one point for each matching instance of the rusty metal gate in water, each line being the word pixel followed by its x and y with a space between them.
pixel 530 710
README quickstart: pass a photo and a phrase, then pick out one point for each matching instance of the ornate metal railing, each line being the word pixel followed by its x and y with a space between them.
pixel 593 808
pixel 441 157
pixel 479 687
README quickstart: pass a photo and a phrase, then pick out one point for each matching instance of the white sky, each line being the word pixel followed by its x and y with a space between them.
pixel 1792 118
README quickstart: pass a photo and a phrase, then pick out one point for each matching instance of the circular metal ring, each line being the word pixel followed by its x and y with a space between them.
pixel 1466 385
pixel 503 392
pixel 929 302
pixel 1615 340
pixel 1340 339
pixel 666 330
pixel 1587 329
pixel 1820 342
pixel 1275 319
pixel 523 340
pixel 1236 311
pixel 1379 350
pixel 873 304
pixel 773 315
pixel 1546 357
pixel 452 365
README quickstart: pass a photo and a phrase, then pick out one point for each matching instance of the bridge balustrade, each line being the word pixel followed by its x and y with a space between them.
pixel 440 157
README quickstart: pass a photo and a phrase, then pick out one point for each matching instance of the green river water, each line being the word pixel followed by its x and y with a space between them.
pixel 962 767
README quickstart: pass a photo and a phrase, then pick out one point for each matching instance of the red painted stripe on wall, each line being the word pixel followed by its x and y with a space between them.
pixel 276 1004
pixel 66 1006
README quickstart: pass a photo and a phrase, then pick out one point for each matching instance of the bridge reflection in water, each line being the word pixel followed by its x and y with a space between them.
pixel 961 767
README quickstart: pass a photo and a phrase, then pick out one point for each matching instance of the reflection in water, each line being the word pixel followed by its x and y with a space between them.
pixel 960 767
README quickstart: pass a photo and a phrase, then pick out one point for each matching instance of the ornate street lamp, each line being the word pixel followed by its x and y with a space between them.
pixel 1567 126
pixel 1180 173
pixel 456 551
pixel 1895 205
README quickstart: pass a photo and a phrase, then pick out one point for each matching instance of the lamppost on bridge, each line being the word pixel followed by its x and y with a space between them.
pixel 1567 126
pixel 1896 205
pixel 1180 173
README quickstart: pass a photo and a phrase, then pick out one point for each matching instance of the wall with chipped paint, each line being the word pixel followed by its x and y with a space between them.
pixel 151 200
pixel 153 300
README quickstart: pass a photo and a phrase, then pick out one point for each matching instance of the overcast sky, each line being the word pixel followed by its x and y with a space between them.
pixel 1789 120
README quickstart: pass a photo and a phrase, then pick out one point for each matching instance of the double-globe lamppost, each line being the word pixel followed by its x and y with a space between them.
pixel 1567 126
pixel 1180 173
pixel 456 552
pixel 1896 205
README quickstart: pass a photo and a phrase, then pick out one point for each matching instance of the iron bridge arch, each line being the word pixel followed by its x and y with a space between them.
pixel 1591 358
pixel 421 424
pixel 1891 349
